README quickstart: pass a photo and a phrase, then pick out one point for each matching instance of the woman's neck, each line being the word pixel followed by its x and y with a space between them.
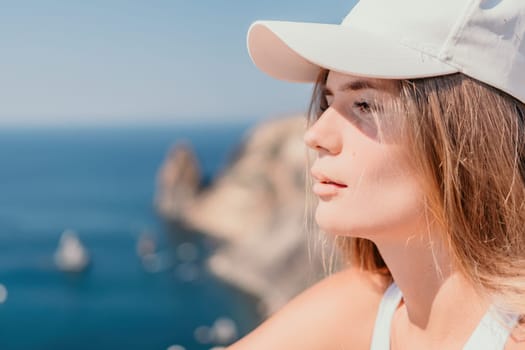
pixel 435 294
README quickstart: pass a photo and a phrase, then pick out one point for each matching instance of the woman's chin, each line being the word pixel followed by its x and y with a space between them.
pixel 343 225
pixel 327 222
pixel 331 225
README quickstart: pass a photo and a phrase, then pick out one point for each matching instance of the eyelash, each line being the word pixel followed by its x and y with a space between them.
pixel 323 106
pixel 362 105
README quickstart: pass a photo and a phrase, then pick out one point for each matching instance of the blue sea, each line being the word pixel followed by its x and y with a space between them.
pixel 100 182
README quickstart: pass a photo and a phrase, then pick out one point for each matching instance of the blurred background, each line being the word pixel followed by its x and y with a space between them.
pixel 151 178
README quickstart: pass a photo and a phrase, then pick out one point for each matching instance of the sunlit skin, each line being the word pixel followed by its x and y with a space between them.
pixel 378 196
pixel 380 193
pixel 366 187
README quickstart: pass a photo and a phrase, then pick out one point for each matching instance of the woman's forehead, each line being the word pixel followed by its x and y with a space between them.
pixel 336 81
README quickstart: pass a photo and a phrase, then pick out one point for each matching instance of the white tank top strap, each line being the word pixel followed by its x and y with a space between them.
pixel 385 313
pixel 491 333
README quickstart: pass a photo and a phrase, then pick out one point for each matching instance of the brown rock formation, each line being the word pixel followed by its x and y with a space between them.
pixel 178 182
pixel 256 206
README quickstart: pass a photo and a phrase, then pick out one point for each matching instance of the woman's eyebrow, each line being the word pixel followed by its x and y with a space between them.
pixel 354 85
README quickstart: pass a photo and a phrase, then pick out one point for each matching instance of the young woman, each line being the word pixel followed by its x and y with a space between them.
pixel 418 125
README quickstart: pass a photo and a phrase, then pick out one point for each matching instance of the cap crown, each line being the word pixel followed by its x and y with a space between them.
pixel 481 38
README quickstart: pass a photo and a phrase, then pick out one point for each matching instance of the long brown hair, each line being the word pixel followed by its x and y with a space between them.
pixel 467 141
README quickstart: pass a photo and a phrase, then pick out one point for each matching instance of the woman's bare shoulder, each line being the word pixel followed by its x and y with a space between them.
pixel 336 313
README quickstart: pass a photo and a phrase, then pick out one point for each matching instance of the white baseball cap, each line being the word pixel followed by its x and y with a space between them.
pixel 402 39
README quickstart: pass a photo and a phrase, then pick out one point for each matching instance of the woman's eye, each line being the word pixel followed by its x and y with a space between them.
pixel 363 107
pixel 323 105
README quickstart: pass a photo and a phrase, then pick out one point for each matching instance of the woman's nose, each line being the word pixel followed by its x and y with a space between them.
pixel 324 135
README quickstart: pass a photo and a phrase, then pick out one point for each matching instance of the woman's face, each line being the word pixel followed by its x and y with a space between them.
pixel 362 177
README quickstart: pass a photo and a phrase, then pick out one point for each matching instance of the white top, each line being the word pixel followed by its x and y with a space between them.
pixel 490 334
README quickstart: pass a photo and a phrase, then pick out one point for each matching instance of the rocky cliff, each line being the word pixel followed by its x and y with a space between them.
pixel 256 207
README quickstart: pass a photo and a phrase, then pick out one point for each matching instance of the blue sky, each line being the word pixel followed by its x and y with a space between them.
pixel 114 62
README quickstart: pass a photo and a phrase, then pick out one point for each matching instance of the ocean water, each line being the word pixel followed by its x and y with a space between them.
pixel 100 182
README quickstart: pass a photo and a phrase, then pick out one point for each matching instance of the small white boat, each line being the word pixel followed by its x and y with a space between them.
pixel 71 255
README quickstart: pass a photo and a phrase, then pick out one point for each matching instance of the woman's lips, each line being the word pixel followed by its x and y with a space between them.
pixel 324 185
pixel 327 188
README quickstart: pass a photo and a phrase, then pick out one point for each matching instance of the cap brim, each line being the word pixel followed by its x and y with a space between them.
pixel 295 51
